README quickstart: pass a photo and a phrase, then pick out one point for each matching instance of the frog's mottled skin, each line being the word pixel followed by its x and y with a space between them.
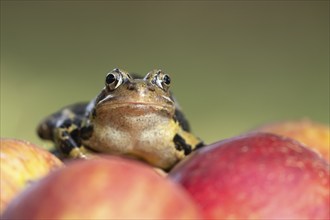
pixel 131 116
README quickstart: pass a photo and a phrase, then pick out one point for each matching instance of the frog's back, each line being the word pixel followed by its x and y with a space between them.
pixel 76 112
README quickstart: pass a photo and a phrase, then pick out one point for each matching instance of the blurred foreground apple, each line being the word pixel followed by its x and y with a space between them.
pixel 21 164
pixel 312 134
pixel 257 176
pixel 111 188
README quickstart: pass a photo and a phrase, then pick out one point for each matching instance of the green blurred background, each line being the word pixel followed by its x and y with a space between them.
pixel 234 64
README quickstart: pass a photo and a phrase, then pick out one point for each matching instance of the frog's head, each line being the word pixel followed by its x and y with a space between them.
pixel 123 93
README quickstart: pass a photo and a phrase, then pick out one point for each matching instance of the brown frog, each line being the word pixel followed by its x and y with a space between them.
pixel 131 116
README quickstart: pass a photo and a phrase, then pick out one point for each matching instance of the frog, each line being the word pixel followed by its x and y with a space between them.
pixel 132 116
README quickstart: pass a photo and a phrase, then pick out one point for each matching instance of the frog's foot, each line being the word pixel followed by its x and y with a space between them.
pixel 81 153
pixel 68 141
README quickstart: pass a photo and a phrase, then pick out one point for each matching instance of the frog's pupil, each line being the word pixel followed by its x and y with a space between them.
pixel 110 79
pixel 167 79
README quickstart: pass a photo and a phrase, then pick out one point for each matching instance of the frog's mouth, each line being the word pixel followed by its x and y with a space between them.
pixel 160 103
pixel 135 106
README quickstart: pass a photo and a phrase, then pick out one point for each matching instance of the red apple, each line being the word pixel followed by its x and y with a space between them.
pixel 21 164
pixel 257 176
pixel 111 188
pixel 313 134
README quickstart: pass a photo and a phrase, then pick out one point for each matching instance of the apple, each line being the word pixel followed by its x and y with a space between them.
pixel 22 163
pixel 103 188
pixel 257 176
pixel 313 134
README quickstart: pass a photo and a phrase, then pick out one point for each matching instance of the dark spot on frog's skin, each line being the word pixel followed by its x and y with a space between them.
pixel 66 145
pixel 179 117
pixel 180 144
pixel 94 113
pixel 77 122
pixel 199 145
pixel 75 135
pixel 66 123
pixel 86 132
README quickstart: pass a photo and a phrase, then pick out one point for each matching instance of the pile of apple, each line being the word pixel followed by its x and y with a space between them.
pixel 281 174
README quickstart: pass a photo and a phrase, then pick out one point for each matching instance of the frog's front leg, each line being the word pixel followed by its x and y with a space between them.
pixel 68 138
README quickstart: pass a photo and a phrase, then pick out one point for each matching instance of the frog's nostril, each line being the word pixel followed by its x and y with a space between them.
pixel 150 87
pixel 131 86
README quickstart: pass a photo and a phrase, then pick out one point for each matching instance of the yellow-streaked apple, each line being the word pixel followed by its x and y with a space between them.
pixel 22 163
pixel 103 188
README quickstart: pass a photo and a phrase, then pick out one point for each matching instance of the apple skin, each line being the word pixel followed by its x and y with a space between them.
pixel 22 163
pixel 257 176
pixel 103 188
pixel 313 134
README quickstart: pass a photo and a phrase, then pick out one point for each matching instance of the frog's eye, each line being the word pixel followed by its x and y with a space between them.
pixel 163 80
pixel 167 79
pixel 114 79
pixel 111 78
